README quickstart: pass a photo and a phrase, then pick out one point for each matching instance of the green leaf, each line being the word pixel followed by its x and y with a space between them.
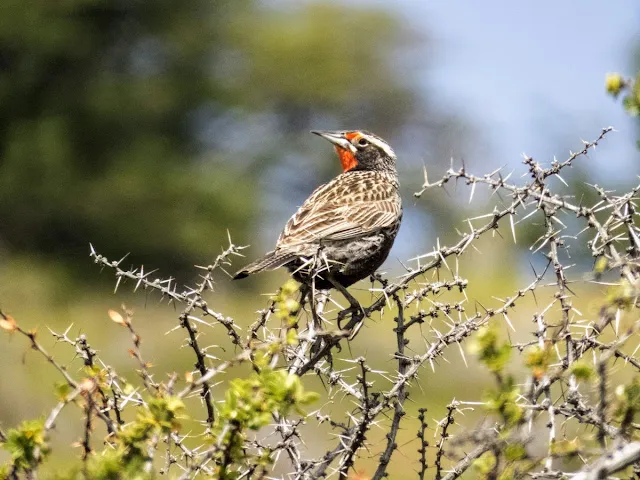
pixel 485 463
pixel 493 354
pixel 514 451
pixel 503 402
pixel 22 443
pixel 62 389
pixel 582 371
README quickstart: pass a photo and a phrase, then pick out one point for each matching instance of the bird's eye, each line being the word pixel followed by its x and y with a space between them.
pixel 363 142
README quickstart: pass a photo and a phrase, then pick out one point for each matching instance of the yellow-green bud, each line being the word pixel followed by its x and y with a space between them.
pixel 614 83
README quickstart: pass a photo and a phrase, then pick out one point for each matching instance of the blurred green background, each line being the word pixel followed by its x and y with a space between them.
pixel 154 128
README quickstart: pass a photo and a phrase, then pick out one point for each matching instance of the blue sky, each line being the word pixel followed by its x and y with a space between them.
pixel 531 74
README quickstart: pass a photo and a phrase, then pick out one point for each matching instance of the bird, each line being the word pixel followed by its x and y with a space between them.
pixel 345 230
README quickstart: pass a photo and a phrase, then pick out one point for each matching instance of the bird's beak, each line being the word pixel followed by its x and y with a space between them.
pixel 337 138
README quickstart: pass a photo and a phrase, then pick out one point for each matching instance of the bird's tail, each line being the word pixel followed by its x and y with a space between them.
pixel 270 261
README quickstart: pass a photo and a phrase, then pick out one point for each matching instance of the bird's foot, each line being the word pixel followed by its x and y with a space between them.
pixel 356 314
pixel 355 310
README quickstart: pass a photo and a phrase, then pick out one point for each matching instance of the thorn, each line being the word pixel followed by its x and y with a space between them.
pixel 508 321
pixel 464 358
pixel 561 179
pixel 120 261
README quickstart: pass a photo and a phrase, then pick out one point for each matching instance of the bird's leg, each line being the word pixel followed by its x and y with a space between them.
pixel 318 266
pixel 317 301
pixel 355 309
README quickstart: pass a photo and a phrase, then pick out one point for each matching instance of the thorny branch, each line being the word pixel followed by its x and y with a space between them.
pixel 365 413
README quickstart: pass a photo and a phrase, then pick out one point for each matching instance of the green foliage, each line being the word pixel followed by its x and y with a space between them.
pixel 160 415
pixel 5 470
pixel 538 360
pixel 564 448
pixel 130 453
pixel 62 390
pixel 516 463
pixel 582 371
pixel 503 402
pixel 628 400
pixel 250 402
pixel 286 306
pixel 116 465
pixel 249 405
pixel 495 356
pixel 27 445
pixel 623 295
pixel 616 85
pixel 163 414
pixel 485 464
pixel 601 265
pixel 514 452
pixel 492 353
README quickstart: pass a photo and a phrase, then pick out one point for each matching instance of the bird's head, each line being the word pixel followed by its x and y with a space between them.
pixel 360 150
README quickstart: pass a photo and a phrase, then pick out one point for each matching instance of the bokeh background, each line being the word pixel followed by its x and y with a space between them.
pixel 157 128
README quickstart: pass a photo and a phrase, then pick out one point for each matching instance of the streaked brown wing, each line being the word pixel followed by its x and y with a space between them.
pixel 350 206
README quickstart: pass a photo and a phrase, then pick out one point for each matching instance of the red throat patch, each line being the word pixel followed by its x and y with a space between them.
pixel 347 159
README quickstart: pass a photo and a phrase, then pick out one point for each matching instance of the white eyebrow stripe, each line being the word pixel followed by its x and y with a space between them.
pixel 381 145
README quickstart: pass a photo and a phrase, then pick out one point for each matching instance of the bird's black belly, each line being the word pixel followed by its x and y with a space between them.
pixel 348 261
